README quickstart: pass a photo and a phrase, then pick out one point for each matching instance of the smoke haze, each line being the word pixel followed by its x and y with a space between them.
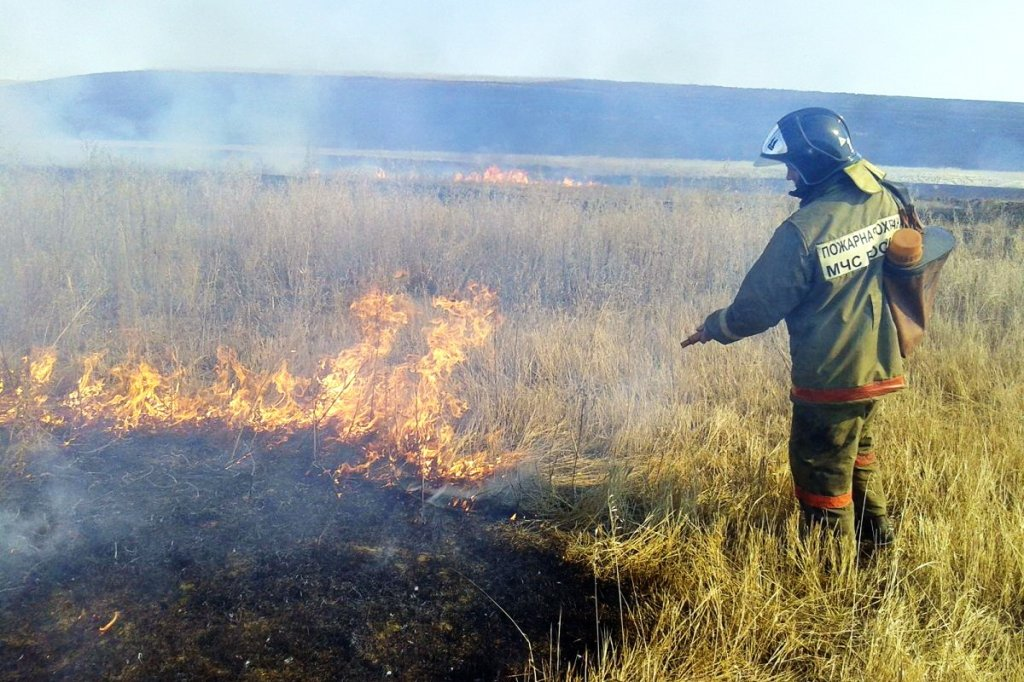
pixel 910 48
pixel 284 122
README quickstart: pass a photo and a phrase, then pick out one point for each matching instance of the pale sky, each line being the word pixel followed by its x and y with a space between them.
pixel 937 48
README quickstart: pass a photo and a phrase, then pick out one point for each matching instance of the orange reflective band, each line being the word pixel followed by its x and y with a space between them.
pixel 866 459
pixel 823 501
pixel 845 395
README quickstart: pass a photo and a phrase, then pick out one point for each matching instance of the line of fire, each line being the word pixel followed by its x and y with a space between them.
pixel 402 413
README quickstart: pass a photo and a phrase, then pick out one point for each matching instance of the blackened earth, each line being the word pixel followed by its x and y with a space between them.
pixel 258 567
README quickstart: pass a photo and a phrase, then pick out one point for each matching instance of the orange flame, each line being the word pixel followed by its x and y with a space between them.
pixel 28 397
pixel 495 175
pixel 571 182
pixel 424 431
pixel 404 414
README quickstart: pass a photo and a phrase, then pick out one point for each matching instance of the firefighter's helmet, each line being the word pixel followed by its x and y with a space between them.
pixel 814 141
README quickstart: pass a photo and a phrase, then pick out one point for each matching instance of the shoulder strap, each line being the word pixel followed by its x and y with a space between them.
pixel 908 214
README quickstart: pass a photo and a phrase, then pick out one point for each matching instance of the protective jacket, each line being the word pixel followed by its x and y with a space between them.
pixel 822 272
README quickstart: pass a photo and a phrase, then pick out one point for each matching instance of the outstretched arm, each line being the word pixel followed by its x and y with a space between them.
pixel 777 282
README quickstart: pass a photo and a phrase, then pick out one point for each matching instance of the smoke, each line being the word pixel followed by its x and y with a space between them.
pixel 31 127
pixel 36 528
pixel 179 120
pixel 56 513
pixel 267 120
pixel 40 533
pixel 290 123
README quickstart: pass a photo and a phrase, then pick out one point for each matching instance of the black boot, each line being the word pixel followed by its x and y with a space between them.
pixel 877 530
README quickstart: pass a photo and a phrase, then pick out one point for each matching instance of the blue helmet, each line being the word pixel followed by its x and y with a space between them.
pixel 814 141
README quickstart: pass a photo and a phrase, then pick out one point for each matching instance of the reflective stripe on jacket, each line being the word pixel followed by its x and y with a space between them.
pixel 822 272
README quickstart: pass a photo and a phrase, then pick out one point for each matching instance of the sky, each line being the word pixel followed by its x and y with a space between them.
pixel 921 48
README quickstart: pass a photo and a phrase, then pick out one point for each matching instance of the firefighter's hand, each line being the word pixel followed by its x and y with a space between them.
pixel 699 336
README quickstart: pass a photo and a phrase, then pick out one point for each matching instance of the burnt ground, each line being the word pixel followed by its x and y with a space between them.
pixel 264 570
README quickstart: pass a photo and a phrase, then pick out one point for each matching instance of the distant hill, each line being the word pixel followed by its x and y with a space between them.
pixel 556 117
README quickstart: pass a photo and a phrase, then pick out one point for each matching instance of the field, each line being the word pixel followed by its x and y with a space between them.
pixel 587 503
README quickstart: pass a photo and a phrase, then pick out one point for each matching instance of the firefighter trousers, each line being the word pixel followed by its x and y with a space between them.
pixel 835 473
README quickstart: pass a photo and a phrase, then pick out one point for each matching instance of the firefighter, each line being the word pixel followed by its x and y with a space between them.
pixel 821 272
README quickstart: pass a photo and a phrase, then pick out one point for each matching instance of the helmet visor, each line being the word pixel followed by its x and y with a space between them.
pixel 762 161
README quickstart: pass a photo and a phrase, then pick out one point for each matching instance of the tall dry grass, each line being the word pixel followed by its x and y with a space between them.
pixel 665 471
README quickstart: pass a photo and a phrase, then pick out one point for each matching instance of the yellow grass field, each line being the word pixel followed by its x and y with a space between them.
pixel 662 471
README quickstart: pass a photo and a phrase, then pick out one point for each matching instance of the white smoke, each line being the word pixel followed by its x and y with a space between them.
pixel 37 528
pixel 176 120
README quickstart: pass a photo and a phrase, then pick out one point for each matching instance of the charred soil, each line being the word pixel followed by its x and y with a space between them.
pixel 166 556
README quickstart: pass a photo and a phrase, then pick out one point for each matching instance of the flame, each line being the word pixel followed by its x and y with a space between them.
pixel 494 175
pixel 403 414
pixel 263 402
pixel 28 397
pixel 41 367
pixel 571 182
pixel 353 392
pixel 423 431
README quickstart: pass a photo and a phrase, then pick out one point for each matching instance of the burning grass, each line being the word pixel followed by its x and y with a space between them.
pixel 661 473
pixel 401 413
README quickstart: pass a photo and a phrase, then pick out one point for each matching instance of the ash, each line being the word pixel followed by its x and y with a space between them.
pixel 168 556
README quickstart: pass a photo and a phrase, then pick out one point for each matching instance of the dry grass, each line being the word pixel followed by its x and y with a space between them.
pixel 664 470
